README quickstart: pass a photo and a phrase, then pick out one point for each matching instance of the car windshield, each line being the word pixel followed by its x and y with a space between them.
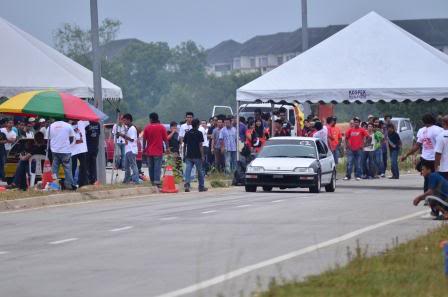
pixel 288 151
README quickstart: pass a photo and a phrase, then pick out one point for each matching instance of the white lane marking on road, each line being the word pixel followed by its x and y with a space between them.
pixel 244 270
pixel 243 205
pixel 426 216
pixel 208 211
pixel 121 229
pixel 63 241
pixel 3 252
pixel 277 201
pixel 169 219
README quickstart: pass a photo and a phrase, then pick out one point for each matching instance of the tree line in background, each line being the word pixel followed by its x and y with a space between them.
pixel 154 76
pixel 173 80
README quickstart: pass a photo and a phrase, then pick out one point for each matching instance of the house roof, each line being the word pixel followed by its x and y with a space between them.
pixel 432 31
pixel 115 48
pixel 223 52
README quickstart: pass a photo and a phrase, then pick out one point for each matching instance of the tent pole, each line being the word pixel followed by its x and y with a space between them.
pixel 238 130
pixel 101 162
pixel 272 120
pixel 304 26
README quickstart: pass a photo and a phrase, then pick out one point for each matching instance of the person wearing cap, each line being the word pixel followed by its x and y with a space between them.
pixel 43 127
pixel 354 139
pixel 29 131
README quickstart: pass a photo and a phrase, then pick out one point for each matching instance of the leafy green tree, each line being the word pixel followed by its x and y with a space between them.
pixel 74 41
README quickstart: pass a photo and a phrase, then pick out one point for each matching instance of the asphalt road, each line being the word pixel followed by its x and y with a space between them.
pixel 226 242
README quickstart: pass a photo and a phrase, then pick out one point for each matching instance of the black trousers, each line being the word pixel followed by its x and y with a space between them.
pixel 82 172
pixel 91 166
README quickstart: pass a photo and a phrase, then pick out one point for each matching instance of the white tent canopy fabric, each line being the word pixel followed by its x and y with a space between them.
pixel 28 64
pixel 370 60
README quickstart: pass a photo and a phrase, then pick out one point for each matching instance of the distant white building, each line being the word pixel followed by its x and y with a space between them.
pixel 264 53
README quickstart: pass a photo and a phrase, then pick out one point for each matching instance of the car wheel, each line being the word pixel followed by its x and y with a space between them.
pixel 332 186
pixel 267 189
pixel 316 188
pixel 251 188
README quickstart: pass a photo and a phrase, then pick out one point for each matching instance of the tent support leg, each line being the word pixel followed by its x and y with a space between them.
pixel 237 130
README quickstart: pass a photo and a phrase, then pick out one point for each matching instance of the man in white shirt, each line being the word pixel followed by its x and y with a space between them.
pixel 131 149
pixel 43 127
pixel 441 161
pixel 426 141
pixel 185 127
pixel 79 152
pixel 61 136
pixel 11 136
pixel 206 146
pixel 120 143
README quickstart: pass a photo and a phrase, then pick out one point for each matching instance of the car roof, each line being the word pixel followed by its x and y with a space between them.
pixel 292 138
pixel 260 105
pixel 396 119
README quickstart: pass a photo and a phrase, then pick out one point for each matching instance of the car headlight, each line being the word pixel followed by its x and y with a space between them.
pixel 304 170
pixel 255 169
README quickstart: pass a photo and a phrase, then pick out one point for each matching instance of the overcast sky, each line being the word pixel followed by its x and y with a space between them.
pixel 207 22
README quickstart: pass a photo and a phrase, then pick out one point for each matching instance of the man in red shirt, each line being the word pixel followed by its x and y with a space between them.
pixel 334 137
pixel 154 136
pixel 354 141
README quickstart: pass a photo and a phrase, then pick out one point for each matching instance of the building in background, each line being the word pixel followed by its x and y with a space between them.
pixel 264 53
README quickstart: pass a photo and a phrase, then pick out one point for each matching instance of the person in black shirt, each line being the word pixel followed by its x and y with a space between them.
pixel 286 126
pixel 37 148
pixel 173 142
pixel 173 138
pixel 93 131
pixel 3 140
pixel 394 149
pixel 194 155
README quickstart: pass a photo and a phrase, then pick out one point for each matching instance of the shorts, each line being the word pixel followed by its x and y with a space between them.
pixel 434 202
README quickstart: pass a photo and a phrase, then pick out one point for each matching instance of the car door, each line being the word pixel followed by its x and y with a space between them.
pixel 326 161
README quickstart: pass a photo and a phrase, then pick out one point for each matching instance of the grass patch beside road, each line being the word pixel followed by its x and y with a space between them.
pixel 413 269
pixel 218 179
pixel 18 194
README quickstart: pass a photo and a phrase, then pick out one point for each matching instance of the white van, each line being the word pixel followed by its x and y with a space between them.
pixel 248 110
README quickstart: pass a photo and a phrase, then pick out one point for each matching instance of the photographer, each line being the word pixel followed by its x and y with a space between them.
pixel 285 125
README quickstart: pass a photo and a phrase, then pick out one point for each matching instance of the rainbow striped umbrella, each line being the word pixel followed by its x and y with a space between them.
pixel 51 104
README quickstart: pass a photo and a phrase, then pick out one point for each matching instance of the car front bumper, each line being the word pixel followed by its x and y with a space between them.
pixel 281 180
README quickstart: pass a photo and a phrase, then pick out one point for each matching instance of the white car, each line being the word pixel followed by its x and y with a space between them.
pixel 292 162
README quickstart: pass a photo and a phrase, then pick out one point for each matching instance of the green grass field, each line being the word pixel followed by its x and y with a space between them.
pixel 412 269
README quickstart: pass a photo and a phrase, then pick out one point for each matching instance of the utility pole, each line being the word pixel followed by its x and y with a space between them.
pixel 304 26
pixel 97 89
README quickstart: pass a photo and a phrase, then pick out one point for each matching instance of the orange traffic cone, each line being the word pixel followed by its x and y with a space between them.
pixel 46 174
pixel 169 186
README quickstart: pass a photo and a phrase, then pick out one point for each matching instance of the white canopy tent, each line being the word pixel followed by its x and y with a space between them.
pixel 370 60
pixel 28 64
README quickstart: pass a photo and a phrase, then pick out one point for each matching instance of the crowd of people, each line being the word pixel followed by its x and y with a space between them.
pixel 73 145
pixel 214 145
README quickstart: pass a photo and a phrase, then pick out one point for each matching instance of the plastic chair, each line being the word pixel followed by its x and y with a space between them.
pixel 37 159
